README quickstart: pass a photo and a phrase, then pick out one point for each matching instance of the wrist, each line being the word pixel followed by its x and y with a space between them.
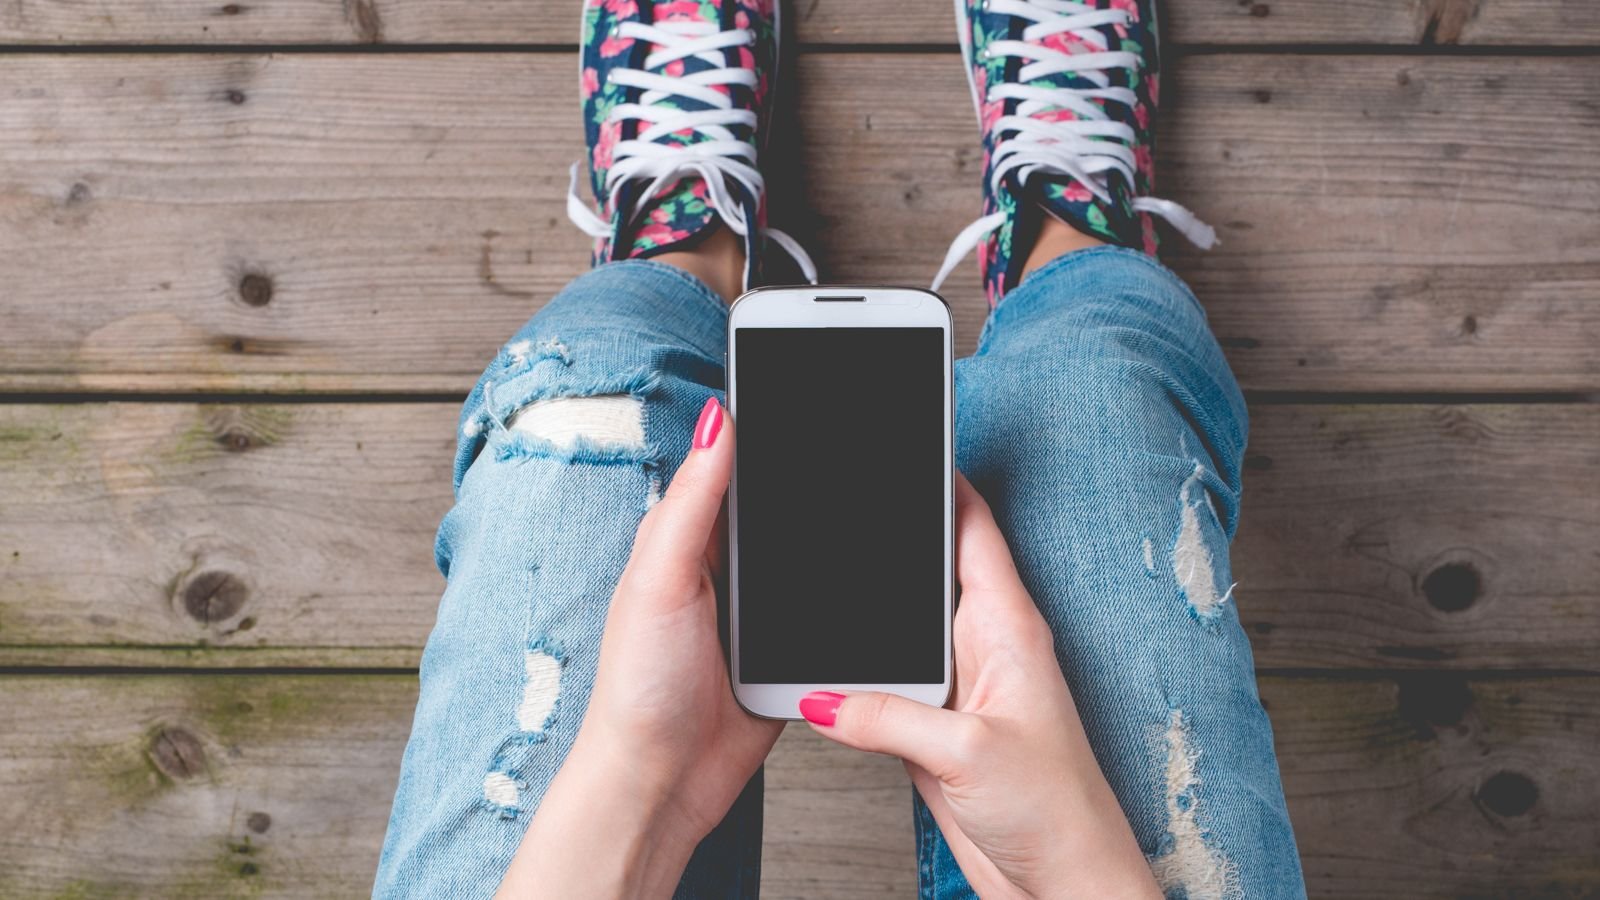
pixel 1105 862
pixel 604 829
pixel 631 779
pixel 635 815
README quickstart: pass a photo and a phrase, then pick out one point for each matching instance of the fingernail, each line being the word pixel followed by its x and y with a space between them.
pixel 705 430
pixel 821 707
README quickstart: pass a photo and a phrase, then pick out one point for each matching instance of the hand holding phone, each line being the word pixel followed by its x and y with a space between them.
pixel 1007 772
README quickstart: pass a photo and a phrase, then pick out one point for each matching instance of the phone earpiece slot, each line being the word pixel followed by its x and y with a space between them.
pixel 839 299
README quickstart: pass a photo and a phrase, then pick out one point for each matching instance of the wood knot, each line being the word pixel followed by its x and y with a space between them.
pixel 235 440
pixel 1507 794
pixel 78 194
pixel 233 343
pixel 237 429
pixel 1444 21
pixel 258 822
pixel 363 16
pixel 177 753
pixel 231 9
pixel 212 597
pixel 1452 587
pixel 1433 700
pixel 235 96
pixel 255 289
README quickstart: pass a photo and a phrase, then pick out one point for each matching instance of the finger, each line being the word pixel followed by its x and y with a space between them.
pixel 938 740
pixel 678 527
pixel 717 546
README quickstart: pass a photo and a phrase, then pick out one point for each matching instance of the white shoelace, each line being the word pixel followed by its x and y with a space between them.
pixel 718 160
pixel 1085 148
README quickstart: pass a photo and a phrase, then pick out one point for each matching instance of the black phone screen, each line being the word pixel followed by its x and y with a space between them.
pixel 841 505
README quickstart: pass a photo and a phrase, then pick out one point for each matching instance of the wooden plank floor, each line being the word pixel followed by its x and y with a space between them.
pixel 252 254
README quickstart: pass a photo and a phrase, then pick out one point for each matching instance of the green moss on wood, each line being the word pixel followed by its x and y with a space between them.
pixel 129 774
pixel 40 437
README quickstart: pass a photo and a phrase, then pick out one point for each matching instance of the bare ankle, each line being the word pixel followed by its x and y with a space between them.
pixel 1056 238
pixel 717 260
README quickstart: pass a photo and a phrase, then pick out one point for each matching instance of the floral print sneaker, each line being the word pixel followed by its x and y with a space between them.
pixel 676 101
pixel 1065 93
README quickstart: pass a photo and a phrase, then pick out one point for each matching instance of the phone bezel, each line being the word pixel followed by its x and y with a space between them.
pixel 799 307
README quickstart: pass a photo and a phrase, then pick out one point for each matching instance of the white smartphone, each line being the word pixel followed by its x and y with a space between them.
pixel 840 526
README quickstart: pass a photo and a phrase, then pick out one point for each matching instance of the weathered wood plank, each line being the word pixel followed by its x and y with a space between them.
pixel 1440 786
pixel 252 528
pixel 213 22
pixel 1426 536
pixel 197 787
pixel 259 535
pixel 382 222
pixel 1425 788
pixel 1387 248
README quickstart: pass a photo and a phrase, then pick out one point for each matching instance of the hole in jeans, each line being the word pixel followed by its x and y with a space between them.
pixel 611 421
pixel 1185 861
pixel 1192 562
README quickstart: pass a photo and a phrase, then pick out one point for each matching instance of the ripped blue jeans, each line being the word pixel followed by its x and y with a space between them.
pixel 1099 419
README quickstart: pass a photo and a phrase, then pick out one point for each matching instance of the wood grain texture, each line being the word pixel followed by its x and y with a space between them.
pixel 1421 536
pixel 1440 786
pixel 200 529
pixel 331 222
pixel 147 787
pixel 262 535
pixel 218 786
pixel 221 22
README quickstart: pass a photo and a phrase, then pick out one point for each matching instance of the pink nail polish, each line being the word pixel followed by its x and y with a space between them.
pixel 710 424
pixel 821 707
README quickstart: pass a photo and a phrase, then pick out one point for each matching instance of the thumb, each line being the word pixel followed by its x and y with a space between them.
pixel 928 736
pixel 677 528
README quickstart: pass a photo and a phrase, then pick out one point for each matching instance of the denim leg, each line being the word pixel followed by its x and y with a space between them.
pixel 1101 421
pixel 571 433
